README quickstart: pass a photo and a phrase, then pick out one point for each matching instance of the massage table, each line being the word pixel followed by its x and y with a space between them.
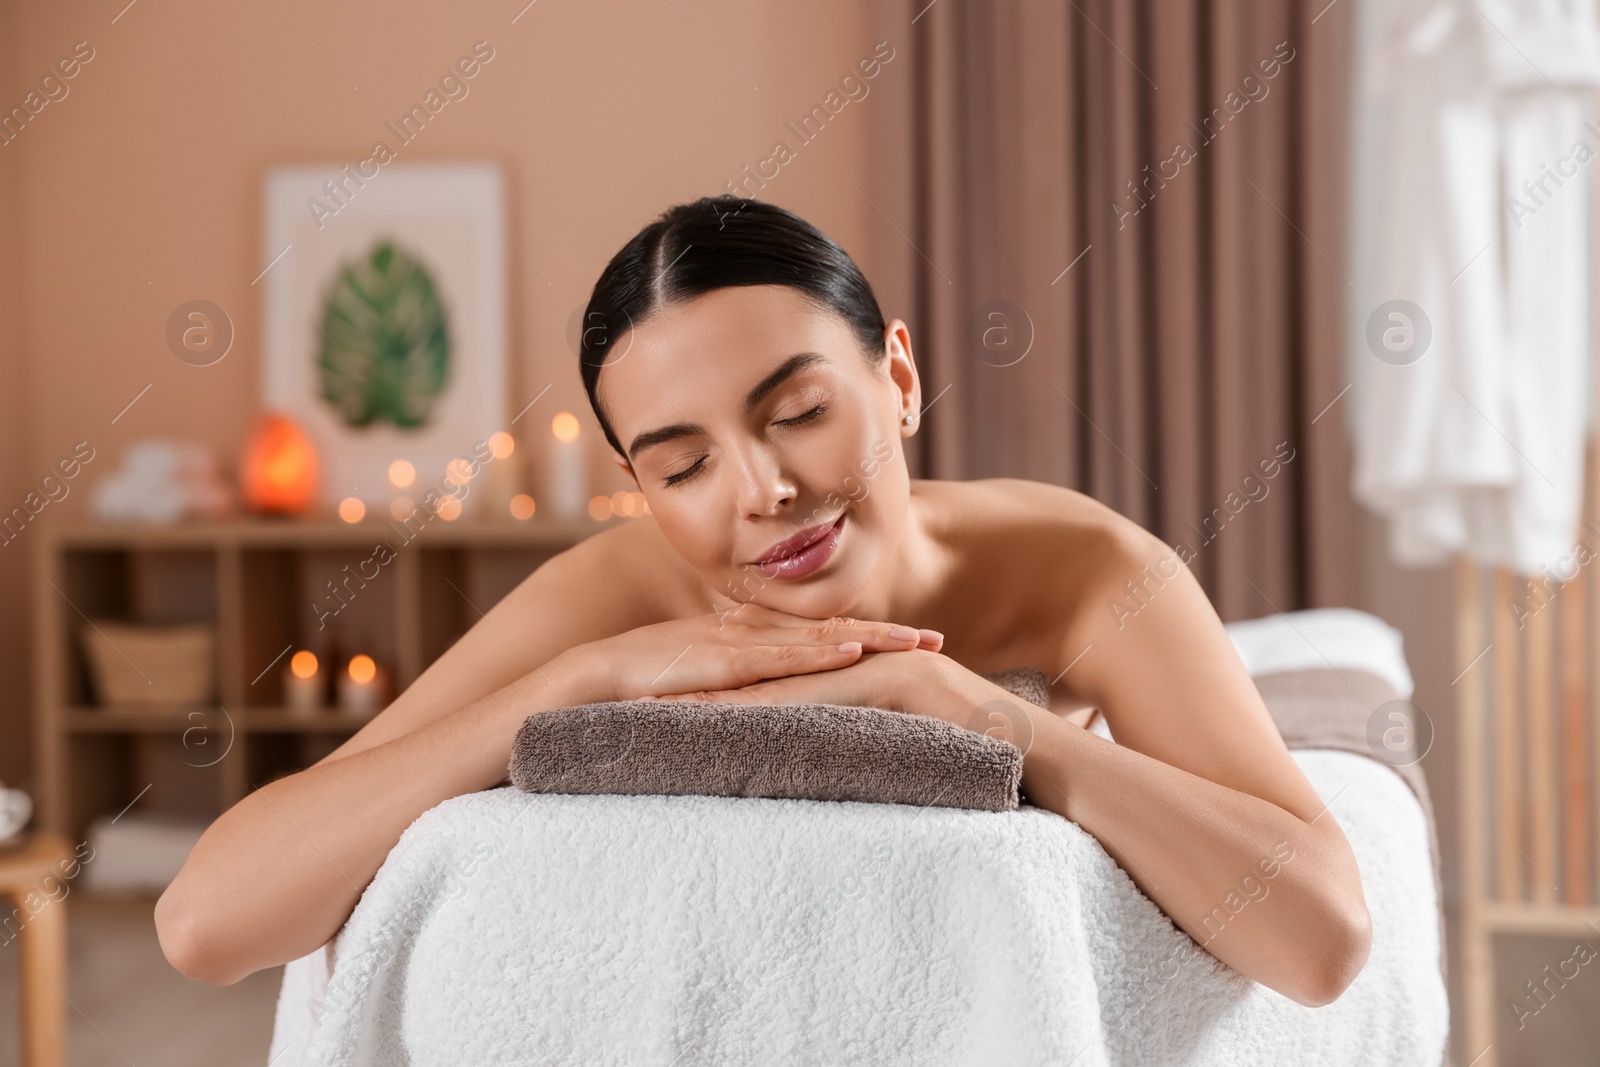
pixel 511 927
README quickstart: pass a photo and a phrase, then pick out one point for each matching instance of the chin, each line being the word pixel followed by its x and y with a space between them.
pixel 820 596
pixel 824 595
pixel 827 600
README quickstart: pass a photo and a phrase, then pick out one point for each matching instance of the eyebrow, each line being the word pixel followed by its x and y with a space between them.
pixel 786 370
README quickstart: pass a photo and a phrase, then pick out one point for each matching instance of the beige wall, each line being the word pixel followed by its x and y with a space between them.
pixel 16 432
pixel 601 113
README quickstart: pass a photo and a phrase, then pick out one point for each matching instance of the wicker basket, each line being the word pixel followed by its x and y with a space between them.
pixel 133 663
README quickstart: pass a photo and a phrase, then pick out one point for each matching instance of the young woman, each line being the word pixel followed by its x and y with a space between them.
pixel 740 367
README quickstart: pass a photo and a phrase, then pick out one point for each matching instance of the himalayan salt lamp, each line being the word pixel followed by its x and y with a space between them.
pixel 277 468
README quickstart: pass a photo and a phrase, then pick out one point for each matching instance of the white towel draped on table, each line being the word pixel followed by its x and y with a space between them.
pixel 674 930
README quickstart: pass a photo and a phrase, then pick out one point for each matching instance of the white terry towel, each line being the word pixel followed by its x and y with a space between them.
pixel 579 930
pixel 1474 166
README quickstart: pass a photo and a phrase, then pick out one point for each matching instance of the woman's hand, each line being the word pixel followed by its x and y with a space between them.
pixel 916 681
pixel 728 650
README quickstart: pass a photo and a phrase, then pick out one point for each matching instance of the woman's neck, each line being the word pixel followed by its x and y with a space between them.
pixel 910 588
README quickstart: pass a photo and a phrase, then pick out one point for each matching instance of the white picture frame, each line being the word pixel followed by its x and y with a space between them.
pixel 450 218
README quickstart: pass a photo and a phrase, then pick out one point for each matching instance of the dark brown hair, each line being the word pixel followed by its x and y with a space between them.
pixel 713 243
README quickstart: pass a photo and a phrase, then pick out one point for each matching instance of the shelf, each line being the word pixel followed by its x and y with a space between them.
pixel 114 720
pixel 267 586
pixel 295 533
pixel 284 721
pixel 136 719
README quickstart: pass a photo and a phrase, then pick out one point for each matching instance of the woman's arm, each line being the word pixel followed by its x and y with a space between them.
pixel 1198 800
pixel 1271 893
pixel 278 873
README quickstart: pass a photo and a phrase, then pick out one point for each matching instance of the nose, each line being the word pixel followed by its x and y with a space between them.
pixel 765 489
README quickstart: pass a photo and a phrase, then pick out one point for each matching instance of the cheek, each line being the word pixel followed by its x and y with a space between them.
pixel 837 471
pixel 697 531
pixel 870 468
pixel 866 473
pixel 878 505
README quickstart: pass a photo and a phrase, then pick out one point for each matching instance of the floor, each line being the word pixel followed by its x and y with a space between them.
pixel 1563 1030
pixel 129 1007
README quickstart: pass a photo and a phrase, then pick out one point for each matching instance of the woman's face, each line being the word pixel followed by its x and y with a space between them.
pixel 751 416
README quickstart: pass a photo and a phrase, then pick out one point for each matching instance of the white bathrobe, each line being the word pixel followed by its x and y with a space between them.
pixel 1476 446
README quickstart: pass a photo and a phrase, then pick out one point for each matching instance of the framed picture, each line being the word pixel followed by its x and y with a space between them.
pixel 384 319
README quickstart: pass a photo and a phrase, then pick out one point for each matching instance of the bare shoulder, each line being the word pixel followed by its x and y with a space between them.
pixel 1035 561
pixel 1036 522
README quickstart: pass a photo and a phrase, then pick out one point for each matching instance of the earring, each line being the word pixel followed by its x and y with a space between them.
pixel 909 419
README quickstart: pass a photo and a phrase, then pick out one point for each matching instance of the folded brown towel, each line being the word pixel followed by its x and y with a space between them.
pixel 804 751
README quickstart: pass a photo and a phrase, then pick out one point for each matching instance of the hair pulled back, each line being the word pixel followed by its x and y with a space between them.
pixel 712 243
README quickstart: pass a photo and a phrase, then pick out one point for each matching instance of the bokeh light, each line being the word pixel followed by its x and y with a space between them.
pixel 565 426
pixel 303 663
pixel 362 669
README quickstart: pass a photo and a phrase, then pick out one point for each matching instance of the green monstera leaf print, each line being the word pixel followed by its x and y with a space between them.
pixel 385 339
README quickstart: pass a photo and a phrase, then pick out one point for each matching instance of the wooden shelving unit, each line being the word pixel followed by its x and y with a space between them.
pixel 265 585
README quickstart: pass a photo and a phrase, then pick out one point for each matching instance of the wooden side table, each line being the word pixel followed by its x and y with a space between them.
pixel 42 940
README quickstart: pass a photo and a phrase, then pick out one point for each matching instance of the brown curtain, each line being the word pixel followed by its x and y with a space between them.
pixel 1185 305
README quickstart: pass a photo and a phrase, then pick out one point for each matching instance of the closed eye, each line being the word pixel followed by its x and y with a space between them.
pixel 798 420
pixel 681 475
pixel 807 417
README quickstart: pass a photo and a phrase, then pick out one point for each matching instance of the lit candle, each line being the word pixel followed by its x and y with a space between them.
pixel 504 481
pixel 302 683
pixel 567 494
pixel 360 690
pixel 402 474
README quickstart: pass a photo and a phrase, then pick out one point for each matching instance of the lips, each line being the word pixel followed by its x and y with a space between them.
pixel 802 554
pixel 793 546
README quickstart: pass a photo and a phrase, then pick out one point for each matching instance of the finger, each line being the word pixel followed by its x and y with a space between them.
pixel 729 696
pixel 879 636
pixel 874 636
pixel 820 687
pixel 738 666
pixel 714 696
pixel 757 662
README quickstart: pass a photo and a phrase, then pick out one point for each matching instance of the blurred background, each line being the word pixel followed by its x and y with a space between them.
pixel 1141 248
